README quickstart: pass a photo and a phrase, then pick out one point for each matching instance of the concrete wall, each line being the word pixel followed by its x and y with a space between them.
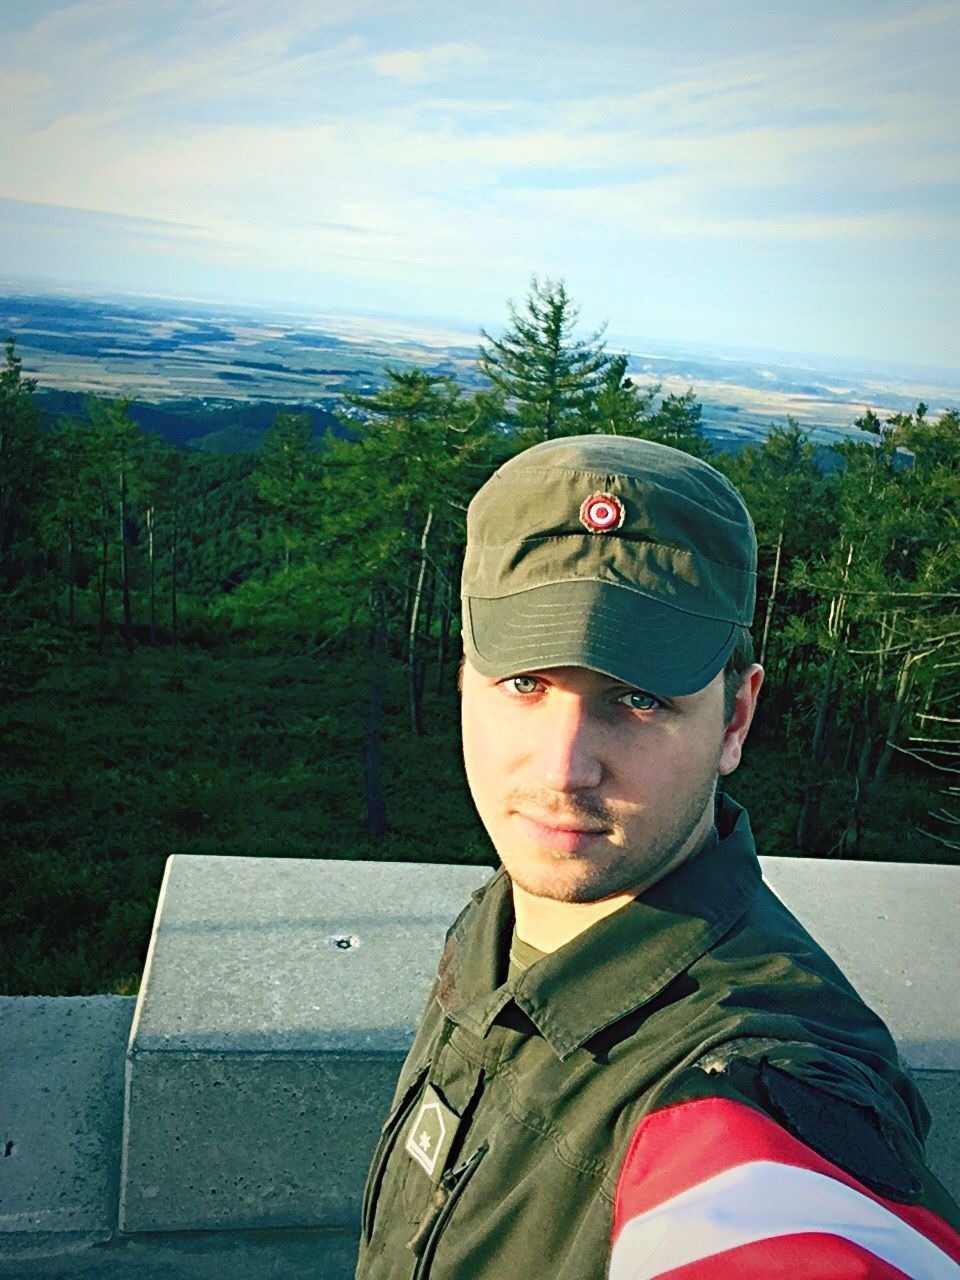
pixel 223 1121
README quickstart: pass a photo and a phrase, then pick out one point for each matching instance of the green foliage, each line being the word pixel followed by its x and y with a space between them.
pixel 619 407
pixel 548 377
pixel 883 619
pixel 22 472
pixel 219 539
pixel 935 445
pixel 677 423
pixel 112 763
pixel 285 485
pixel 290 627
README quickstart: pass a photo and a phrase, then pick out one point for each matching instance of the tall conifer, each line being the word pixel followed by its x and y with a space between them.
pixel 549 378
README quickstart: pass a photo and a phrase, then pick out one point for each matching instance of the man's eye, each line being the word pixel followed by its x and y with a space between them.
pixel 637 700
pixel 523 684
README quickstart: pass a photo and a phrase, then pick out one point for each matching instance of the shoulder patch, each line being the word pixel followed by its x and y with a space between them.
pixel 848 1135
pixel 715 1187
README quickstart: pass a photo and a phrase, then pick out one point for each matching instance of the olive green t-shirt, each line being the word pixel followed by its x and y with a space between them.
pixel 522 956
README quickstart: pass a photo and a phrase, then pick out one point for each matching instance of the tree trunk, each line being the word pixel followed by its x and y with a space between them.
pixel 430 599
pixel 102 587
pixel 809 820
pixel 820 731
pixel 414 683
pixel 174 544
pixel 446 615
pixel 852 838
pixel 72 575
pixel 791 674
pixel 286 572
pixel 771 599
pixel 124 574
pixel 153 580
pixel 373 734
pixel 901 701
pixel 426 608
pixel 848 752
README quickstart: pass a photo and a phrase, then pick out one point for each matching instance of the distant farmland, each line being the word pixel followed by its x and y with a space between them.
pixel 215 376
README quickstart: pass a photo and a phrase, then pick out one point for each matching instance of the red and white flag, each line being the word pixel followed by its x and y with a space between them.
pixel 713 1189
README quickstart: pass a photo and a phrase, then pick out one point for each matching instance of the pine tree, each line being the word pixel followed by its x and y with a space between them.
pixel 21 471
pixel 381 489
pixel 549 378
pixel 72 514
pixel 118 449
pixel 677 422
pixel 285 484
pixel 886 623
pixel 619 407
pixel 404 464
pixel 783 489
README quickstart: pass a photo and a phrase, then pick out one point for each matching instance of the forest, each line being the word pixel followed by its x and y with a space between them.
pixel 257 654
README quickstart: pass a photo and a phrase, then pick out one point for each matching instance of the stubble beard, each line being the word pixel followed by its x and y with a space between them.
pixel 578 878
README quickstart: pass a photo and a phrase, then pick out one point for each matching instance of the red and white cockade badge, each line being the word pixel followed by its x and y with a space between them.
pixel 602 512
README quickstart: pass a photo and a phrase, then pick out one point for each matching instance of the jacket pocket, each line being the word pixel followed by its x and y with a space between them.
pixel 451 1188
pixel 388 1137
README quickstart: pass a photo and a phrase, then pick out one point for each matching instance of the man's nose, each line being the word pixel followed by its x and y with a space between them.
pixel 568 746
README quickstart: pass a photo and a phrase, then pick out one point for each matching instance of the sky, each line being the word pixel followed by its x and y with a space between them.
pixel 724 172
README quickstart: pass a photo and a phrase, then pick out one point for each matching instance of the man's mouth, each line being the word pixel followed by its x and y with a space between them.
pixel 566 835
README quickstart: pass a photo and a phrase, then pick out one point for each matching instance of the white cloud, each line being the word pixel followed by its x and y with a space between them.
pixel 911 19
pixel 111 59
pixel 417 65
pixel 662 212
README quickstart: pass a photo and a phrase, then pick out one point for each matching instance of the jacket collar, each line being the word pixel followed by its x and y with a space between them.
pixel 614 967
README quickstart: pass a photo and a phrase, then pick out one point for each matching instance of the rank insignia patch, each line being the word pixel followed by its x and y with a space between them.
pixel 602 512
pixel 431 1134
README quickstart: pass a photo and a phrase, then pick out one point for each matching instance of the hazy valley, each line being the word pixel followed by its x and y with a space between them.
pixel 209 376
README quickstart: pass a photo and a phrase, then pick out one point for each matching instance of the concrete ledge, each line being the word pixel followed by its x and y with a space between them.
pixel 61 1114
pixel 61 1108
pixel 200 1255
pixel 279 998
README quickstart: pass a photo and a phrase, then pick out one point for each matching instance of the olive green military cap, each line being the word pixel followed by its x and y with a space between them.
pixel 621 555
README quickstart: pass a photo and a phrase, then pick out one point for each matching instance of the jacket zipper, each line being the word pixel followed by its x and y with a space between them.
pixel 388 1135
pixel 448 1192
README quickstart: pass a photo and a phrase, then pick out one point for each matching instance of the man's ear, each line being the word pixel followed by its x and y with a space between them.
pixel 736 731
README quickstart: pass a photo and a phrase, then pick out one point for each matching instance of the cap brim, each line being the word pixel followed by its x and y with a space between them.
pixel 608 628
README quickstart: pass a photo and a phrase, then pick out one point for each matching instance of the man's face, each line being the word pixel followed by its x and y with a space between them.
pixel 588 787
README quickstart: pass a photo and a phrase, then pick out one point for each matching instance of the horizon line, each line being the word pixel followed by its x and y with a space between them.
pixel 632 344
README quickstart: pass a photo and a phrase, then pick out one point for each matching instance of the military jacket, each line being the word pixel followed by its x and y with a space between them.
pixel 581 1119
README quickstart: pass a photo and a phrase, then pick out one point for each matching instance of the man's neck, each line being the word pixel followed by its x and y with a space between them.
pixel 548 925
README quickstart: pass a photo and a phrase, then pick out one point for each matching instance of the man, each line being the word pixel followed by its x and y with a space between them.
pixel 635 1062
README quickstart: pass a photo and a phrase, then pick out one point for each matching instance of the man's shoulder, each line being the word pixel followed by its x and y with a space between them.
pixel 484 898
pixel 867 1121
pixel 768 943
pixel 771 1154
